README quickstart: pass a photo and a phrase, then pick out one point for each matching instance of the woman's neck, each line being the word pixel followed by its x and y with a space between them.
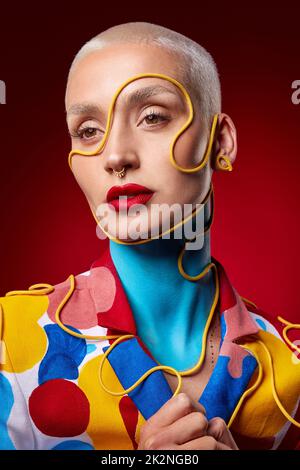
pixel 170 311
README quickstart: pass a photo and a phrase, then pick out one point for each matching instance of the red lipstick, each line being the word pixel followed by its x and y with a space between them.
pixel 135 194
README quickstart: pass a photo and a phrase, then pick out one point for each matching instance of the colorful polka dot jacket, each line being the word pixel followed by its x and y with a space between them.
pixel 51 396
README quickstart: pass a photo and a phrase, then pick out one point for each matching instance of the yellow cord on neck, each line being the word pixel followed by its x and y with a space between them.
pixel 169 369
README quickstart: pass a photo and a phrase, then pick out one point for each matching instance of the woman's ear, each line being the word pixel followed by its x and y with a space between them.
pixel 225 141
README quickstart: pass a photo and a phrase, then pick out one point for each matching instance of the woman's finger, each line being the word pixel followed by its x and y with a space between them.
pixel 203 443
pixel 218 429
pixel 174 409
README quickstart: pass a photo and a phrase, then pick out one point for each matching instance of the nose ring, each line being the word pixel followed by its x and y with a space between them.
pixel 121 173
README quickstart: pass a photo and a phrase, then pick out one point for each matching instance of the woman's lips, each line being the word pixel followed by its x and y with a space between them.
pixel 124 202
pixel 123 197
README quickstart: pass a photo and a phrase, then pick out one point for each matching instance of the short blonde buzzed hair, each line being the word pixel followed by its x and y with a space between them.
pixel 196 66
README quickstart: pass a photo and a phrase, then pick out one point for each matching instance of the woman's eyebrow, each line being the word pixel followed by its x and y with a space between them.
pixel 131 99
pixel 141 94
pixel 83 108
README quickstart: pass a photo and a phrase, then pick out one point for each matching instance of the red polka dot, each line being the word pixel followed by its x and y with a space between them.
pixel 59 408
pixel 129 413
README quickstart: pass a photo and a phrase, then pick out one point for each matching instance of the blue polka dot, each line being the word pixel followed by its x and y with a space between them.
pixel 73 445
pixel 65 353
pixel 261 324
pixel 7 401
pixel 90 348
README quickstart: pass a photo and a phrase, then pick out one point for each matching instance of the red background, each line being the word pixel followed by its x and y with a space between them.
pixel 47 230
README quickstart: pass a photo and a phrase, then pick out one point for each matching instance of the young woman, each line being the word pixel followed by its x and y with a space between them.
pixel 152 348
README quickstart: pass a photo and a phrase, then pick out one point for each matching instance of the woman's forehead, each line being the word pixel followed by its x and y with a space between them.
pixel 108 68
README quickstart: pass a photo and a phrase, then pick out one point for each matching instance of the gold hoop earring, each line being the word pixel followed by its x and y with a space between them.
pixel 220 165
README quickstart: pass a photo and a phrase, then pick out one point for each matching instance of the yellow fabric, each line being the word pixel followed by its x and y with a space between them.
pixel 24 338
pixel 106 427
pixel 259 414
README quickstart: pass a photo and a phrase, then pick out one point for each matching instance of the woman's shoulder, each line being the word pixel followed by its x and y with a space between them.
pixel 271 411
pixel 273 324
pixel 25 313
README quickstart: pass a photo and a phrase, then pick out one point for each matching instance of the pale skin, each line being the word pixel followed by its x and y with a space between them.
pixel 181 422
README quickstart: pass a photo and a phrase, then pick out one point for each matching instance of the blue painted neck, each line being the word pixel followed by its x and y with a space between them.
pixel 170 311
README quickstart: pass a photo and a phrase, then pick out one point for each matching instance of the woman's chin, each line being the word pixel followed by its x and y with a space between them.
pixel 131 235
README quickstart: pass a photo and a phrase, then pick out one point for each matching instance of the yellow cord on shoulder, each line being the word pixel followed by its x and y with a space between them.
pixel 289 326
pixel 249 301
pixel 257 383
pixel 249 391
pixel 43 289
pixel 35 289
pixel 274 391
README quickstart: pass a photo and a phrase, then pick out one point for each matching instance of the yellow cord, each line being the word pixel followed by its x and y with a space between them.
pixel 44 289
pixel 249 302
pixel 257 383
pixel 184 127
pixel 142 378
pixel 274 391
pixel 172 159
pixel 289 326
pixel 174 227
pixel 203 162
pixel 169 369
pixel 35 289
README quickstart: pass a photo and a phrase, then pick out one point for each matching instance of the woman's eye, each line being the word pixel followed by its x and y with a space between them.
pixel 154 118
pixel 88 133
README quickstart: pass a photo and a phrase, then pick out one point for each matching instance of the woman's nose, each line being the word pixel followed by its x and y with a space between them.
pixel 120 150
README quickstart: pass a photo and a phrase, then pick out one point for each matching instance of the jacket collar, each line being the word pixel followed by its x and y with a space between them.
pixel 236 319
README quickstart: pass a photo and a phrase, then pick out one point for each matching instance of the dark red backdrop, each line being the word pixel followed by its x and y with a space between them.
pixel 47 231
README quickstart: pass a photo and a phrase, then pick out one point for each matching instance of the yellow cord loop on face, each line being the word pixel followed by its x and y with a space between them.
pixel 184 127
pixel 203 162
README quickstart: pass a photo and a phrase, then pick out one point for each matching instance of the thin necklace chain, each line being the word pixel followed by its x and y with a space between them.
pixel 212 336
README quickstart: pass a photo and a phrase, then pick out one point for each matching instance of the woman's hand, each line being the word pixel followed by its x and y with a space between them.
pixel 178 425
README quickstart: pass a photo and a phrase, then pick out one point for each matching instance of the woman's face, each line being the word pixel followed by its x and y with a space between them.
pixel 140 137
